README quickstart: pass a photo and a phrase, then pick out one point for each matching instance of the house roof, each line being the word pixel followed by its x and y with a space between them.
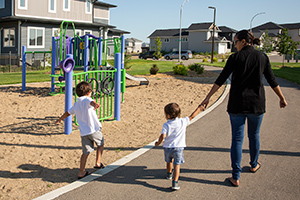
pixel 258 34
pixel 184 31
pixel 133 40
pixel 267 26
pixel 168 33
pixel 226 29
pixel 99 3
pixel 114 30
pixel 291 25
pixel 202 26
pixel 54 21
pixel 218 39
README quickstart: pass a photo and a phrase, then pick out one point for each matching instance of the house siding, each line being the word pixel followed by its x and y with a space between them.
pixel 6 11
pixel 295 35
pixel 173 44
pixel 76 13
pixel 196 42
pixel 48 34
pixel 101 14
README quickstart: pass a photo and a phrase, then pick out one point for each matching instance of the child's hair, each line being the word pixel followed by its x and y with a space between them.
pixel 83 88
pixel 172 110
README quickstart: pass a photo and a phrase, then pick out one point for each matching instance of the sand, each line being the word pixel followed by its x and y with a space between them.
pixel 37 157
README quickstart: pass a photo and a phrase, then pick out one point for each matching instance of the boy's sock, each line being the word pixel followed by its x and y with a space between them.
pixel 169 175
pixel 175 185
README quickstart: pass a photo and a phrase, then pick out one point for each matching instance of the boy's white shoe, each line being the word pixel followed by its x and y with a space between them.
pixel 175 185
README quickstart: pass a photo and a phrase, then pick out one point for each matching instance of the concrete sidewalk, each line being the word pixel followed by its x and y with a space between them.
pixel 207 161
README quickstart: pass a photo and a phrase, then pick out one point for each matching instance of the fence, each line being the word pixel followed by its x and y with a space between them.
pixel 9 62
pixel 12 62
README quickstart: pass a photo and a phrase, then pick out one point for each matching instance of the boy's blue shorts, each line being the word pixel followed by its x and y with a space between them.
pixel 174 153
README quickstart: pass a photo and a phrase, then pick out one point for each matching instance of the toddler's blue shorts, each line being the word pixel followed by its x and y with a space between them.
pixel 174 153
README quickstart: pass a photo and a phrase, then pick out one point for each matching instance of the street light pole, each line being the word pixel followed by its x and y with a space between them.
pixel 253 18
pixel 213 35
pixel 180 29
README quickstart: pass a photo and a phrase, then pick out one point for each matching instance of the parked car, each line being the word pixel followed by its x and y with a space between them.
pixel 185 55
pixel 149 54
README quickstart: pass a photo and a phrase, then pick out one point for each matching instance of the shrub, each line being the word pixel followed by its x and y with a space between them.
pixel 180 69
pixel 154 69
pixel 193 66
pixel 215 59
pixel 204 60
pixel 196 67
pixel 199 69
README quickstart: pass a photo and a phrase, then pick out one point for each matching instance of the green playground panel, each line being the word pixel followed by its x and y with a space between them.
pixel 106 101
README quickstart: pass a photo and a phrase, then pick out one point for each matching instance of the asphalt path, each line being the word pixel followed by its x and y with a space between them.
pixel 207 161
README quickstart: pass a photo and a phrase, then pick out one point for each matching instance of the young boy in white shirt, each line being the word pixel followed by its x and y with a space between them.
pixel 89 126
pixel 173 132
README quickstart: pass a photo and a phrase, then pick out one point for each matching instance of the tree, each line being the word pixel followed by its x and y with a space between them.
pixel 268 43
pixel 285 45
pixel 157 48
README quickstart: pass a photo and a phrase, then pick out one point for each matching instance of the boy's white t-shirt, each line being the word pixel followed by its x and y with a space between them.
pixel 86 116
pixel 175 132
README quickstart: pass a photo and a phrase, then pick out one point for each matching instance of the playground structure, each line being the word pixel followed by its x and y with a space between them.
pixel 88 54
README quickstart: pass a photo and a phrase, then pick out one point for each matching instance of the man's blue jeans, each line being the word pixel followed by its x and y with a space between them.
pixel 237 129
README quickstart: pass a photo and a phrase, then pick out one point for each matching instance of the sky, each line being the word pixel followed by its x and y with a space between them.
pixel 143 17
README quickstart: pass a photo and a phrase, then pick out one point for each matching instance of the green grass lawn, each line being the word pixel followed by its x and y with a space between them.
pixel 142 67
pixel 291 71
pixel 31 76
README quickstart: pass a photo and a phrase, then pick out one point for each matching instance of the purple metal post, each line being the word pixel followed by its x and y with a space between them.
pixel 23 68
pixel 117 111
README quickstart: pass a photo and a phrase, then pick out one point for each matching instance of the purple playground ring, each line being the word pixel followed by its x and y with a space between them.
pixel 67 64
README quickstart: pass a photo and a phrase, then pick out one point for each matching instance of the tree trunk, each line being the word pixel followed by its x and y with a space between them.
pixel 283 60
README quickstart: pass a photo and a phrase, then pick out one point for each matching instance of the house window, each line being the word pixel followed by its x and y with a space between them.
pixel 52 6
pixel 22 4
pixel 166 40
pixel 78 32
pixel 9 37
pixel 88 32
pixel 88 9
pixel 55 32
pixel 36 37
pixel 66 6
pixel 2 4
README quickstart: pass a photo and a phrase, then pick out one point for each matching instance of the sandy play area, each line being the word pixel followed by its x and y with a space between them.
pixel 37 157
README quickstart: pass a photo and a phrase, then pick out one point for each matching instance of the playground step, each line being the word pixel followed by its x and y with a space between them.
pixel 61 84
pixel 55 75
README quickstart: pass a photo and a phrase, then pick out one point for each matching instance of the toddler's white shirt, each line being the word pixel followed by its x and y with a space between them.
pixel 175 132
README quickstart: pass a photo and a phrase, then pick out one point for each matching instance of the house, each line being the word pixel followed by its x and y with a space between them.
pixel 229 34
pixel 133 45
pixel 275 29
pixel 294 31
pixel 197 37
pixel 32 23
